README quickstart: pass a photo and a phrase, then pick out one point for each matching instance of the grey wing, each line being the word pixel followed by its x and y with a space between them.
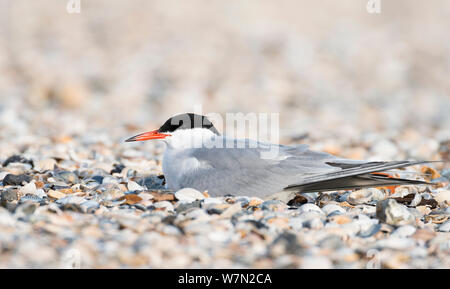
pixel 242 171
pixel 351 173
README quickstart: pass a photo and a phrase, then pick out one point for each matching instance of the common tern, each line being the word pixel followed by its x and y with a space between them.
pixel 193 159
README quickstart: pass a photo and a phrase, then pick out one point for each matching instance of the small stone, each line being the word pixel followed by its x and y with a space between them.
pixel 68 177
pixel 18 159
pixel 118 168
pixel 46 165
pixel 326 198
pixel 341 219
pixel 217 208
pixel 296 223
pixel 442 196
pixel 311 197
pixel 66 191
pixel 403 191
pixel 274 206
pixel 40 193
pixel 423 210
pixel 254 202
pixel 312 219
pixel 297 201
pixel 393 213
pixel 369 228
pixel 31 199
pixel 332 242
pixel 145 196
pixel 19 168
pixel 98 179
pixel 395 243
pixel 55 194
pixel 427 196
pixel 279 222
pixel 182 206
pixel 416 201
pixel 365 196
pixel 16 180
pixel 146 203
pixel 131 199
pixel 213 201
pixel 9 195
pixel 445 227
pixel 424 235
pixel 343 198
pixel 141 207
pixel 285 243
pixel 6 219
pixel 72 207
pixel 25 210
pixel 39 184
pixel 333 209
pixel 133 186
pixel 433 174
pixel 111 194
pixel 404 231
pixel 71 200
pixel 188 195
pixel 243 200
pixel 109 180
pixel 165 205
pixel 231 210
pixel 310 208
pixel 130 173
pixel 150 182
pixel 63 187
pixel 3 174
pixel 28 189
pixel 432 203
pixel 162 197
pixel 89 206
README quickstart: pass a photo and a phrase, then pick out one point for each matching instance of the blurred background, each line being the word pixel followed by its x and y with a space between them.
pixel 340 77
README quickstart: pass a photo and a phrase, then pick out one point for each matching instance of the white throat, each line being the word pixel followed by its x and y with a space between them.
pixel 189 138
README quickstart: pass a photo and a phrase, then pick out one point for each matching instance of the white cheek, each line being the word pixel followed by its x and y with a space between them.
pixel 189 138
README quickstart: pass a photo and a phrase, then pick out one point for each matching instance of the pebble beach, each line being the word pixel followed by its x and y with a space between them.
pixel 94 203
pixel 73 194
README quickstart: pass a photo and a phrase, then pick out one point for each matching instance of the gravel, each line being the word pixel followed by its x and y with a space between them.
pixel 57 210
pixel 96 215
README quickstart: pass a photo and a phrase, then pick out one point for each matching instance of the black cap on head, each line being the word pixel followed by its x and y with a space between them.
pixel 187 121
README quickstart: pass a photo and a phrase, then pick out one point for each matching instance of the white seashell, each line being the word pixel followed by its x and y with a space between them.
pixel 189 195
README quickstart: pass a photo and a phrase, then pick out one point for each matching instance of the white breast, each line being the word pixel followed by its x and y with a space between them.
pixel 176 165
pixel 178 162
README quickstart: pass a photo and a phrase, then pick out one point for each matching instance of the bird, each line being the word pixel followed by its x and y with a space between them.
pixel 197 156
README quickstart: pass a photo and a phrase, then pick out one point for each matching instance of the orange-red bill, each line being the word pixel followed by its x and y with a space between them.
pixel 154 134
